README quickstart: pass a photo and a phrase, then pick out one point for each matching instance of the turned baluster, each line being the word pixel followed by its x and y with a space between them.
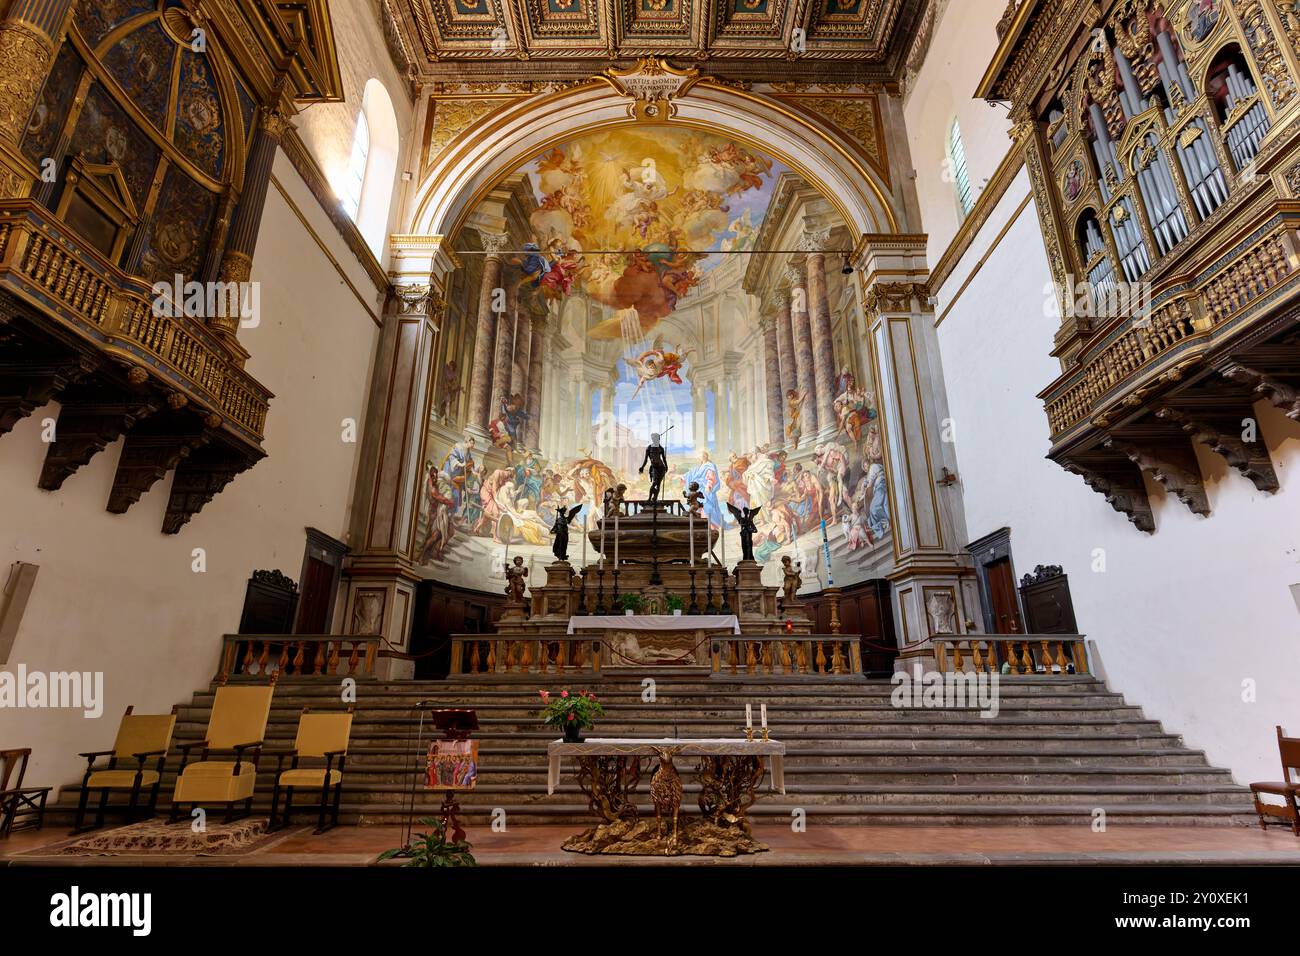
pixel 821 658
pixel 492 657
pixel 837 658
pixel 958 663
pixel 749 657
pixel 785 657
pixel 249 658
pixel 976 657
pixel 474 659
pixel 733 653
pixel 1046 658
pixel 283 661
pixel 1026 662
pixel 318 664
pixel 297 659
pixel 1060 656
pixel 564 650
pixel 510 656
pixel 262 658
pixel 766 658
pixel 801 654
pixel 526 656
pixel 334 656
pixel 354 658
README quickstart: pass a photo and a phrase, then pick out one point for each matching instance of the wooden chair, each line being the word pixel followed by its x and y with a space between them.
pixel 1288 788
pixel 320 736
pixel 143 738
pixel 237 727
pixel 18 802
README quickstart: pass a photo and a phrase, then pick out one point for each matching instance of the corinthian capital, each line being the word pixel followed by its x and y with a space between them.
pixel 794 274
pixel 815 240
pixel 494 242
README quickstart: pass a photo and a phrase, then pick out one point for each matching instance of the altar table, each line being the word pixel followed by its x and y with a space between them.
pixel 655 622
pixel 679 747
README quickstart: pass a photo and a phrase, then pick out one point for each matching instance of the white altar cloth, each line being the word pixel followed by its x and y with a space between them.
pixel 654 622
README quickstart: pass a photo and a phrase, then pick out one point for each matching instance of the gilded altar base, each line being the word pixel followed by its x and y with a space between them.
pixel 640 837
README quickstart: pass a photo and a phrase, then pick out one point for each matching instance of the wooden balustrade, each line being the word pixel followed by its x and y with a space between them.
pixel 306 656
pixel 755 655
pixel 1044 655
pixel 487 654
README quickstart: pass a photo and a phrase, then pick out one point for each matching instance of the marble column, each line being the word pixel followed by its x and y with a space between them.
pixel 536 349
pixel 481 377
pixel 772 381
pixel 520 363
pixel 699 418
pixel 801 328
pixel 785 350
pixel 933 579
pixel 823 347
pixel 381 577
pixel 503 361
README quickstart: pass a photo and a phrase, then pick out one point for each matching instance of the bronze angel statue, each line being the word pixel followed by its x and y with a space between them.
pixel 561 531
pixel 745 518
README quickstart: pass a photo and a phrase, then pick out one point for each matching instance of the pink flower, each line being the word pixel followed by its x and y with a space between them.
pixel 571 715
pixel 545 694
pixel 564 693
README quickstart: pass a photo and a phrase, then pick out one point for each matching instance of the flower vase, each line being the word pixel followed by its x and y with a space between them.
pixel 572 732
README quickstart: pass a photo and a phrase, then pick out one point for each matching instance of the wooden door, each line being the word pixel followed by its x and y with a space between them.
pixel 317 596
pixel 1002 597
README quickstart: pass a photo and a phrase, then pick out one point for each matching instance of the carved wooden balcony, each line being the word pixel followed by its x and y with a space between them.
pixel 80 331
pixel 1162 140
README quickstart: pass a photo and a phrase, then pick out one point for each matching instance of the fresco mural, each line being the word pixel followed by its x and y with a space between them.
pixel 632 258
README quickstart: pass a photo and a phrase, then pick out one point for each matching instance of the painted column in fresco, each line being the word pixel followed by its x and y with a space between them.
pixel 520 361
pixel 533 429
pixel 700 418
pixel 772 380
pixel 785 349
pixel 503 362
pixel 480 382
pixel 803 351
pixel 819 309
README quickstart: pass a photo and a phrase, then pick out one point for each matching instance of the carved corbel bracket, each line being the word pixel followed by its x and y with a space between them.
pixel 1123 492
pixel 1172 465
pixel 1280 394
pixel 199 478
pixel 84 429
pixel 1214 432
pixel 26 385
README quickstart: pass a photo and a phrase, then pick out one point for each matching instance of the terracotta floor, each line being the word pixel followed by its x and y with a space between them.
pixel 358 846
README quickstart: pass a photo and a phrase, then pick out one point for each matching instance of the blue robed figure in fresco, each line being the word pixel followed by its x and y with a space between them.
pixel 710 481
pixel 458 461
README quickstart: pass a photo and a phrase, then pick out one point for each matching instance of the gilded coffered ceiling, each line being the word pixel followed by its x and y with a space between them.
pixel 759 40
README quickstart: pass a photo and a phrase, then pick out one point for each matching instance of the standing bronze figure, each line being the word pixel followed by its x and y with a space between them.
pixel 561 531
pixel 745 518
pixel 657 459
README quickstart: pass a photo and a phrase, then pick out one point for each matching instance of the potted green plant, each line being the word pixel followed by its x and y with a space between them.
pixel 630 603
pixel 572 712
pixel 674 604
pixel 432 848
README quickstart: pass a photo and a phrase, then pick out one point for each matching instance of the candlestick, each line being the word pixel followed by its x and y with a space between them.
pixel 749 716
pixel 691 533
pixel 763 715
pixel 722 535
pixel 584 541
pixel 826 550
pixel 616 542
pixel 603 519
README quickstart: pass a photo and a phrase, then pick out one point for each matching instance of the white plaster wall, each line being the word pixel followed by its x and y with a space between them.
pixel 114 594
pixel 327 128
pixel 1182 617
pixel 964 42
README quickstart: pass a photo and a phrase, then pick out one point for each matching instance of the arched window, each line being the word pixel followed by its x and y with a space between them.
pixel 355 177
pixel 958 171
pixel 365 187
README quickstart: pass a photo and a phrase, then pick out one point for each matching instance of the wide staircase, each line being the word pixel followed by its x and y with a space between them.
pixel 1060 749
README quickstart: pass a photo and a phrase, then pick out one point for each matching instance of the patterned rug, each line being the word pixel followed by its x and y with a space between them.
pixel 157 837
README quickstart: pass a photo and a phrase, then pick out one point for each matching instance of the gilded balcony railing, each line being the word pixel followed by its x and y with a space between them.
pixel 49 266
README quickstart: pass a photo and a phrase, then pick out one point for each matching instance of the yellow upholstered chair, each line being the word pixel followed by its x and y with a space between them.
pixel 141 749
pixel 236 728
pixel 320 736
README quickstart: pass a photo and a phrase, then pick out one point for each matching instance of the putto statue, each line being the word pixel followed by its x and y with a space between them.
pixel 515 579
pixel 657 459
pixel 792 579
pixel 695 500
pixel 745 518
pixel 561 531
